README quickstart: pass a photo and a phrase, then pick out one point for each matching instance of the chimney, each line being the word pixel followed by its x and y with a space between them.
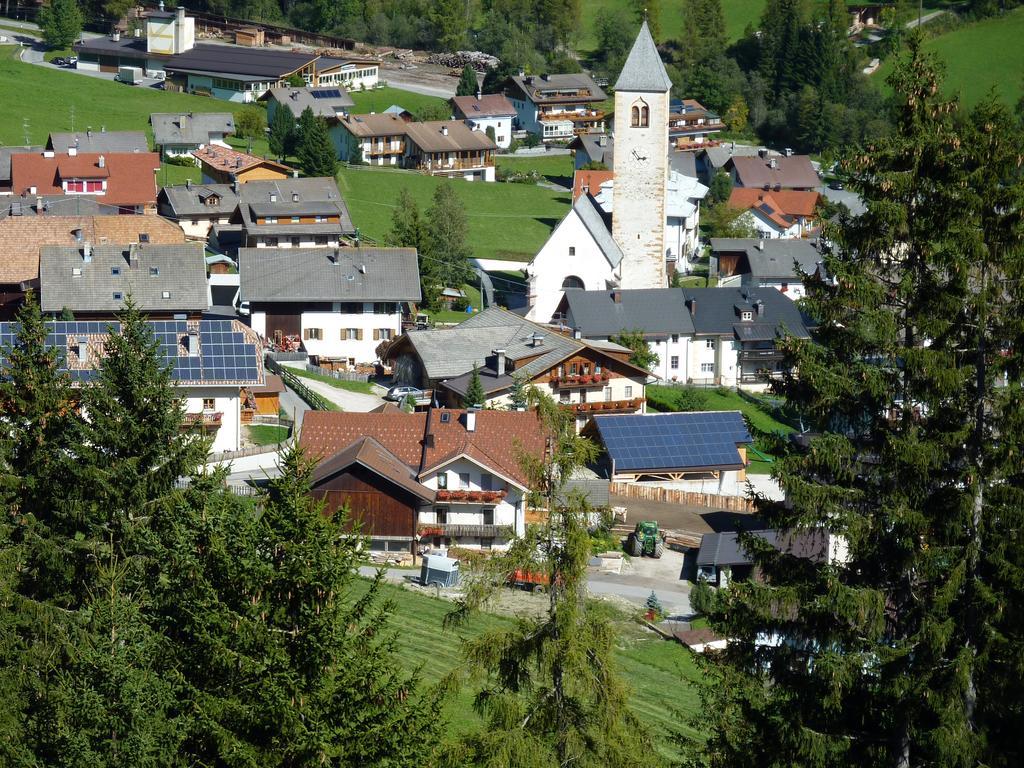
pixel 88 132
pixel 77 233
pixel 537 340
pixel 133 256
pixel 295 197
pixel 500 362
pixel 102 162
pixel 760 245
pixel 362 269
pixel 471 419
pixel 602 140
pixel 116 37
pixel 188 183
pixel 181 14
pixel 444 130
pixel 545 76
pixel 617 297
pixel 773 164
pixel 759 307
pixel 48 153
pixel 273 197
pixel 693 307
pixel 762 152
pixel 86 252
pixel 479 95
pixel 577 333
pixel 137 32
pixel 40 208
pixel 295 174
pixel 333 256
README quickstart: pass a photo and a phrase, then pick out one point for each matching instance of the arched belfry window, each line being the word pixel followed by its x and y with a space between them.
pixel 640 115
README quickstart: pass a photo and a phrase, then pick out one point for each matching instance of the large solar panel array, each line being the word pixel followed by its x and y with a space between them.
pixel 225 356
pixel 672 441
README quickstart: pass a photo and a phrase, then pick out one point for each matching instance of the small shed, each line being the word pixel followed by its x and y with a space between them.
pixel 262 401
pixel 250 36
pixel 438 571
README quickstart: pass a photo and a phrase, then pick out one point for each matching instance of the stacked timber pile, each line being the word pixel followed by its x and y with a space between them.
pixel 479 60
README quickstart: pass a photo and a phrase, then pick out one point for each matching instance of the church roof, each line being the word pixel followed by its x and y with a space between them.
pixel 590 215
pixel 643 70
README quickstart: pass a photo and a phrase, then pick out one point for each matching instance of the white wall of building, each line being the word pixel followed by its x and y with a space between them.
pixel 463 474
pixel 225 401
pixel 294 241
pixel 352 77
pixel 792 288
pixel 332 342
pixel 502 128
pixel 569 252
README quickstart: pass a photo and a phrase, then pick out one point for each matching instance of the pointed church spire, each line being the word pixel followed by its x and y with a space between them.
pixel 644 70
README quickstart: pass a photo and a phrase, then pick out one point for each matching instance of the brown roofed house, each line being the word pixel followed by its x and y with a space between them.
pixel 773 172
pixel 223 165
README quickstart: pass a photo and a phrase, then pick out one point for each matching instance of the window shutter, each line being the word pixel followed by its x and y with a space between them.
pixel 376 334
pixel 305 333
pixel 359 334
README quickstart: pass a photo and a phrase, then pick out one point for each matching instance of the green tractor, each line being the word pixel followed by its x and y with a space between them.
pixel 646 539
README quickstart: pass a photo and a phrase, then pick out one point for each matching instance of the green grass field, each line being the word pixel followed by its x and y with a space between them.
pixel 505 220
pixel 267 434
pixel 738 13
pixel 978 57
pixel 557 169
pixel 380 99
pixel 661 673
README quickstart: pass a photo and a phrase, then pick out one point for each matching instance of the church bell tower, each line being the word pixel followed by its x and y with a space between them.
pixel 641 164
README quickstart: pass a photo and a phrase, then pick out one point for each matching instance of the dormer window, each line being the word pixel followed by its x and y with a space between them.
pixel 746 315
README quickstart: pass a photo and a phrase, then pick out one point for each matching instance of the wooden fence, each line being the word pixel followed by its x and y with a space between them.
pixel 677 496
pixel 294 383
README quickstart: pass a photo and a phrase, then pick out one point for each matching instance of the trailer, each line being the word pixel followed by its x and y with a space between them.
pixel 129 75
pixel 439 571
pixel 531 581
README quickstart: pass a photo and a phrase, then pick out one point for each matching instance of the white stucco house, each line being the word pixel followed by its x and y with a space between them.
pixel 339 303
pixel 483 111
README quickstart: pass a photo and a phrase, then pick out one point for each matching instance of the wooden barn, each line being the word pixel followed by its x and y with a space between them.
pixel 382 494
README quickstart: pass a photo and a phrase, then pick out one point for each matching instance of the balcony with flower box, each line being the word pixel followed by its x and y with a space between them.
pixel 582 380
pixel 608 406
pixel 204 420
pixel 470 497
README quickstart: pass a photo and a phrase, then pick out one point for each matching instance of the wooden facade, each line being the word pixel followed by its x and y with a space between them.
pixel 383 508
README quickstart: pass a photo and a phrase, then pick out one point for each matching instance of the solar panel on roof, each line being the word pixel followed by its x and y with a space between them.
pixel 673 441
pixel 326 93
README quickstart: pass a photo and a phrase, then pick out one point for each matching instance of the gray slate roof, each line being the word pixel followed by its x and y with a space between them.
pixel 725 549
pixel 644 69
pixel 192 200
pixel 668 310
pixel 553 89
pixel 180 270
pixel 328 274
pixel 99 141
pixel 593 220
pixel 297 99
pixel 293 197
pixel 718 156
pixel 651 310
pixel 451 352
pixel 684 163
pixel 189 127
pixel 590 143
pixel 779 259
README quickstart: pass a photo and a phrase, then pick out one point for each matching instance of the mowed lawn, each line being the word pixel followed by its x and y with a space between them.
pixel 508 221
pixel 380 99
pixel 738 14
pixel 661 673
pixel 977 58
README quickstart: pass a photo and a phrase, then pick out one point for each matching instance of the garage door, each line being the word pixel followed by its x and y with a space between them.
pixel 108 63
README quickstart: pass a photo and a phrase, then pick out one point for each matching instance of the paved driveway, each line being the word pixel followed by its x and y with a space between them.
pixel 348 401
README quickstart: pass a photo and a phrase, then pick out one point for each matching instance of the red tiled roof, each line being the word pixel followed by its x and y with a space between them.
pixel 324 433
pixel 498 442
pixel 131 176
pixel 791 202
pixel 233 161
pixel 488 105
pixel 589 181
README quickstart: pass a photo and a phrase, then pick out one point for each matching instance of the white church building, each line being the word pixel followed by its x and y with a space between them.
pixel 581 254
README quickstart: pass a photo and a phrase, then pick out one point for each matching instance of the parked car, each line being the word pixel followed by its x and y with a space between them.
pixel 71 60
pixel 398 394
pixel 835 184
pixel 59 61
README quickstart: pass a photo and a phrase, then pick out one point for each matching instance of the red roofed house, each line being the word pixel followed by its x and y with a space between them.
pixel 786 213
pixel 483 111
pixel 589 182
pixel 224 165
pixel 126 180
pixel 438 479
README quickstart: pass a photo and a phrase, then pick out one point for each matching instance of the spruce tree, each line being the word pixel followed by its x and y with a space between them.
pixel 61 22
pixel 447 228
pixel 282 132
pixel 409 230
pixel 519 397
pixel 468 85
pixel 551 693
pixel 316 153
pixel 285 657
pixel 895 648
pixel 475 391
